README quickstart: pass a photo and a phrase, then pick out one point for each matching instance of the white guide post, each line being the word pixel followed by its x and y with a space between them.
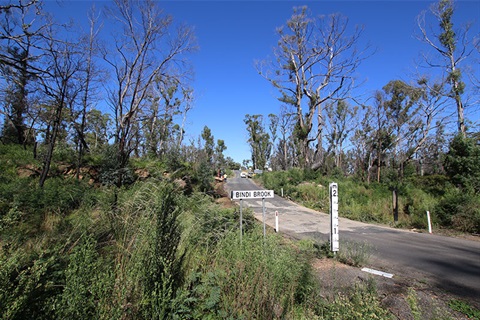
pixel 429 222
pixel 276 221
pixel 334 241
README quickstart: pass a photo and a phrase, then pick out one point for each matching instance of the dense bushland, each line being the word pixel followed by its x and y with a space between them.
pixel 148 250
pixel 451 204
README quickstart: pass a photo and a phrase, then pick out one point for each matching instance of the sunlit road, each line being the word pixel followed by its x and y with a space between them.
pixel 446 263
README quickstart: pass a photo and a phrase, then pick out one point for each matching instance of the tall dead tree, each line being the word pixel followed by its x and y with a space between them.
pixel 143 52
pixel 315 62
pixel 90 75
pixel 452 47
pixel 61 86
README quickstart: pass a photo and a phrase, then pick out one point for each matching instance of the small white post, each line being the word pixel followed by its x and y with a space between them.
pixel 429 222
pixel 276 221
pixel 282 192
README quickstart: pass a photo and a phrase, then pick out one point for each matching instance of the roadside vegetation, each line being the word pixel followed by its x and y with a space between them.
pixel 451 198
pixel 113 215
pixel 152 249
pixel 155 248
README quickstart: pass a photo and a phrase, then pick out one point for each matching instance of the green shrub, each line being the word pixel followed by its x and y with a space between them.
pixel 460 210
pixel 88 283
pixel 312 195
pixel 414 203
pixel 148 262
pixel 111 170
pixel 465 308
pixel 204 177
pixel 27 209
pixel 462 163
pixel 361 303
pixel 435 185
pixel 13 156
pixel 29 283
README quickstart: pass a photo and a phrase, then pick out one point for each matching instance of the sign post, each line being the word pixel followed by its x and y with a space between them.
pixel 334 239
pixel 263 217
pixel 252 194
pixel 241 221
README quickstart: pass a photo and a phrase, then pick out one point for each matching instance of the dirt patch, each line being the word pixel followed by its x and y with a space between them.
pixel 402 297
pixel 219 189
pixel 28 171
pixel 222 196
pixel 225 202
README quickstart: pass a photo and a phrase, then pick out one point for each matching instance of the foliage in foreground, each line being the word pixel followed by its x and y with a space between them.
pixel 153 250
pixel 149 251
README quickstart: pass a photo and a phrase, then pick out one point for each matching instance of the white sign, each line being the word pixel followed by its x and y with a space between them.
pixel 334 241
pixel 252 194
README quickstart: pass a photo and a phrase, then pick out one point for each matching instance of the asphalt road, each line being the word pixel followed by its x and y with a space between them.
pixel 446 263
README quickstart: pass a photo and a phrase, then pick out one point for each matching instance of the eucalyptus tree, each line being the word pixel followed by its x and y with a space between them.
pixel 146 48
pixel 432 105
pixel 91 76
pixel 97 129
pixel 285 150
pixel 380 139
pixel 22 28
pixel 363 145
pixel 315 62
pixel 165 115
pixel 341 119
pixel 453 47
pixel 61 83
pixel 209 144
pixel 259 140
pixel 273 127
pixel 404 123
pixel 219 157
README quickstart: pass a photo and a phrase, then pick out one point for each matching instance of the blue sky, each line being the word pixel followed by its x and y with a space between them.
pixel 233 34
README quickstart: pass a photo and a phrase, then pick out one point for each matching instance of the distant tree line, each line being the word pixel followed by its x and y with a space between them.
pixel 403 128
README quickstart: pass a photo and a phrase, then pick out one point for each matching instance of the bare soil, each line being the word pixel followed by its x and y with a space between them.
pixel 394 293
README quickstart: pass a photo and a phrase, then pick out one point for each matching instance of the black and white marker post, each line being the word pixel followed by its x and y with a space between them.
pixel 334 241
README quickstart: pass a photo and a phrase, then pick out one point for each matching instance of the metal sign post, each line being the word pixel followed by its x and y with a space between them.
pixel 241 221
pixel 263 216
pixel 334 239
pixel 252 194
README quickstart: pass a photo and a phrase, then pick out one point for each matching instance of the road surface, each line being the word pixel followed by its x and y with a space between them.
pixel 446 263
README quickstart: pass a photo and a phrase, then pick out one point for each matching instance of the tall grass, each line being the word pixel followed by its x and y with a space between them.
pixel 253 279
